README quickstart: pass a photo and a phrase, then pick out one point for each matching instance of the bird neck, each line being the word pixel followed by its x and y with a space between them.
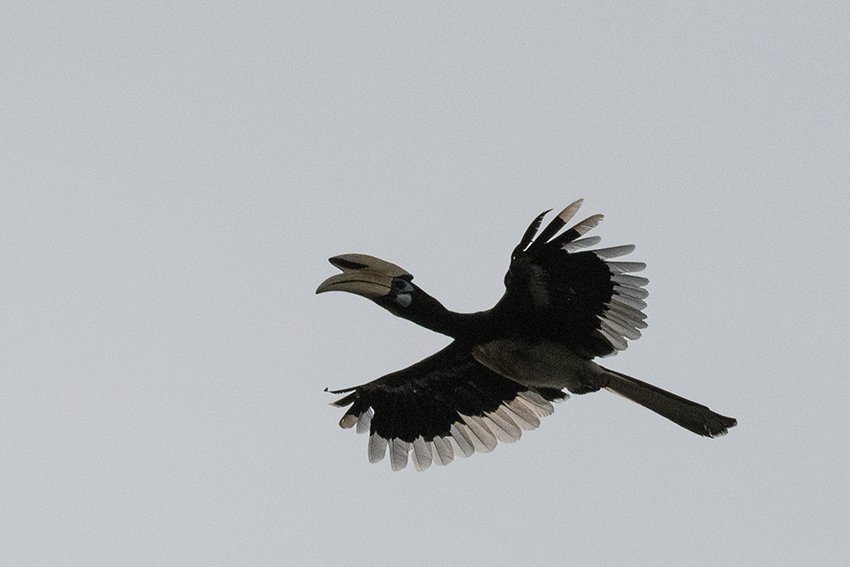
pixel 432 315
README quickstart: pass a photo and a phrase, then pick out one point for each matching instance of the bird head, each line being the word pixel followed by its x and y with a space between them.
pixel 384 283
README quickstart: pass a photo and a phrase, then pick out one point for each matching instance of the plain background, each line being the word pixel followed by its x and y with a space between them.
pixel 174 175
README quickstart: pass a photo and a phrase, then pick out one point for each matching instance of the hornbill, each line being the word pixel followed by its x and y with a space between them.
pixel 563 306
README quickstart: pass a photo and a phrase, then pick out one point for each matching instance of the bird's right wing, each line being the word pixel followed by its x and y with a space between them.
pixel 557 289
pixel 444 406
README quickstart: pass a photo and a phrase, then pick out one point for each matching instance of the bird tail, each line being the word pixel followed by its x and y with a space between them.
pixel 690 415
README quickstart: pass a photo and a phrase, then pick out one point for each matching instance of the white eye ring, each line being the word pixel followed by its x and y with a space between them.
pixel 404 299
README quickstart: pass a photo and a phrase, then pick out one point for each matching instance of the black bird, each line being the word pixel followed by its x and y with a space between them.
pixel 563 306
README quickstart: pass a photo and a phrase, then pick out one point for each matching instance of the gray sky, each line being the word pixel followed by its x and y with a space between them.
pixel 174 177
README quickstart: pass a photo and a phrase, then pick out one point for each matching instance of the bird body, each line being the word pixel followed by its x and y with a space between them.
pixel 563 306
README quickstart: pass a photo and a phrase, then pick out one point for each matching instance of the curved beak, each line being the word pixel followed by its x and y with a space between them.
pixel 365 283
pixel 361 274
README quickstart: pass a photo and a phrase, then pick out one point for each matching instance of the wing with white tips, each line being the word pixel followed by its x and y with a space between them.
pixel 445 406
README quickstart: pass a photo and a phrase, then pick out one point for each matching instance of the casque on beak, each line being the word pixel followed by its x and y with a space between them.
pixel 363 275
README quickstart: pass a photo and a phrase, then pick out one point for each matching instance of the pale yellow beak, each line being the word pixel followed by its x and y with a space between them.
pixel 364 275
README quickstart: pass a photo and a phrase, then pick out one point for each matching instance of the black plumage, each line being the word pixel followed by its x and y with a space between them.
pixel 563 306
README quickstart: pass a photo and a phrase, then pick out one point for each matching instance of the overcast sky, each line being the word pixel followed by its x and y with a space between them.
pixel 174 176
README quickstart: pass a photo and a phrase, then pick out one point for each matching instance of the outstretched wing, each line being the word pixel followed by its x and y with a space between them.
pixel 581 298
pixel 444 406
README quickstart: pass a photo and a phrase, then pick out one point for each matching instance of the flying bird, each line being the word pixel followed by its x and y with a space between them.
pixel 563 306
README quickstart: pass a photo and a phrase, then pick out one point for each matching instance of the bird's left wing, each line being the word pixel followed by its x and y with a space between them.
pixel 444 406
